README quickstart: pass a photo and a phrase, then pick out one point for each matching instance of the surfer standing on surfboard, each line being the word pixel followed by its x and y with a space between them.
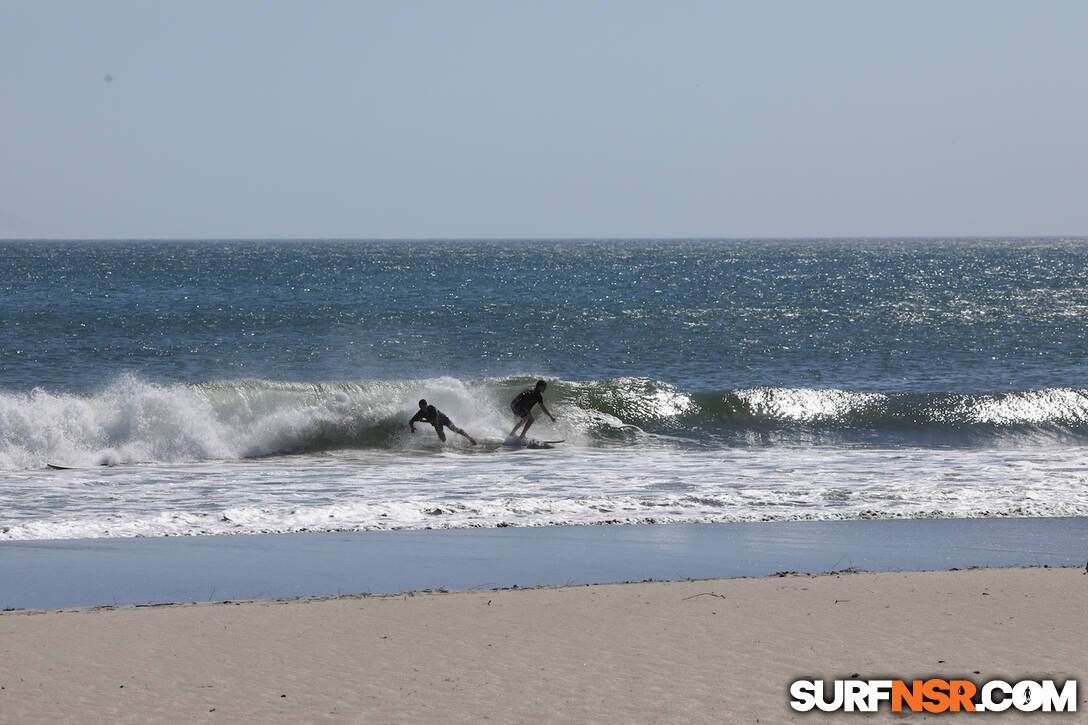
pixel 523 404
pixel 434 416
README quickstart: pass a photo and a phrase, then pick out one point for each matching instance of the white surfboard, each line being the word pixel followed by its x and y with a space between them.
pixel 519 442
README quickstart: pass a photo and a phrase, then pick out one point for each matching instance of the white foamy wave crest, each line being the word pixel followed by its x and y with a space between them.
pixel 129 421
pixel 635 398
pixel 1054 405
pixel 136 421
pixel 806 405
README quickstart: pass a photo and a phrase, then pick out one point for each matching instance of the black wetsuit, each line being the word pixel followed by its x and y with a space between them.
pixel 523 404
pixel 440 419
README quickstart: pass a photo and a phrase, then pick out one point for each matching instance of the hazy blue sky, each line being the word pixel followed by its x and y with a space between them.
pixel 321 119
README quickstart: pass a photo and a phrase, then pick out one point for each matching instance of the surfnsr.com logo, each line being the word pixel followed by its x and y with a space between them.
pixel 934 695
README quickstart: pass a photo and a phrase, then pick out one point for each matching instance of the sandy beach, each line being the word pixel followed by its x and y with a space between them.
pixel 721 650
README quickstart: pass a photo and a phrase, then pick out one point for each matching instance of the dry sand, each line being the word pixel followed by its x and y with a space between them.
pixel 691 651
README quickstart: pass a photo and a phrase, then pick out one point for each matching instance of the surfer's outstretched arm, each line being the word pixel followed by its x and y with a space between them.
pixel 547 411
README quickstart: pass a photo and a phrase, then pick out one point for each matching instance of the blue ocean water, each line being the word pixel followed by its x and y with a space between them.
pixel 236 387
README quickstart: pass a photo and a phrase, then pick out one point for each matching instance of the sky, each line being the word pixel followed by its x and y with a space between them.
pixel 318 119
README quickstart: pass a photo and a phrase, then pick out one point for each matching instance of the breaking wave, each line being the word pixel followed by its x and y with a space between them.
pixel 133 420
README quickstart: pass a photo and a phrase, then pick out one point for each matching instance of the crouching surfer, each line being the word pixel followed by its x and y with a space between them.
pixel 434 416
pixel 523 404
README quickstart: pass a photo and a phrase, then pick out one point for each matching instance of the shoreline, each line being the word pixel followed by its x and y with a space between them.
pixel 439 591
pixel 95 572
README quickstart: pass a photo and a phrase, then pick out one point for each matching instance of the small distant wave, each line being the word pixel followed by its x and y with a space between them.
pixel 799 416
pixel 1054 414
pixel 133 420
